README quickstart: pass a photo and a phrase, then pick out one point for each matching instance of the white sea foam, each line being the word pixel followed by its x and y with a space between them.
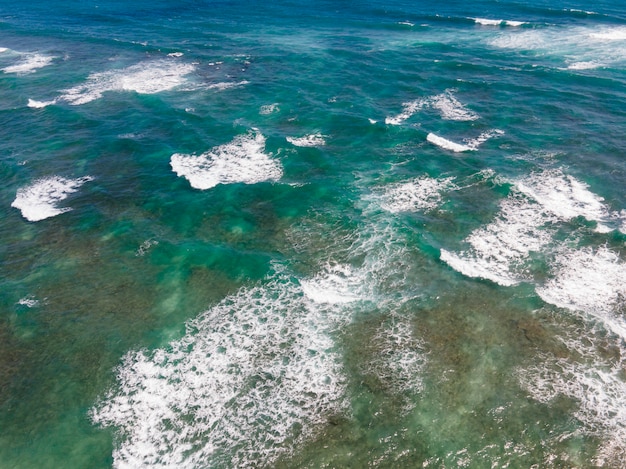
pixel 144 78
pixel 566 197
pixel 588 65
pixel 401 357
pixel 29 63
pixel 251 379
pixel 40 104
pixel 490 22
pixel 312 140
pixel 39 200
pixel 29 301
pixel 241 161
pixel 419 194
pixel 269 109
pixel 593 381
pixel 576 47
pixel 449 107
pixel 226 85
pixel 175 54
pixel 448 144
pixel 469 145
pixel 333 285
pixel 610 34
pixel 145 246
pixel 525 224
pixel 593 281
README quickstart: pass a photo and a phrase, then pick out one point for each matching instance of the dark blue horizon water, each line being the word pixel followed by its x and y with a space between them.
pixel 312 234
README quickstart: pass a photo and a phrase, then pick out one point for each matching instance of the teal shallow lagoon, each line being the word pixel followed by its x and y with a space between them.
pixel 303 235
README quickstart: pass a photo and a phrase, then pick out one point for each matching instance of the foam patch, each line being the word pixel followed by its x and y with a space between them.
pixel 252 377
pixel 419 194
pixel 40 199
pixel 143 78
pixel 241 161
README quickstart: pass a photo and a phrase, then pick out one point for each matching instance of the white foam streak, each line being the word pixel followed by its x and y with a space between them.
pixel 39 200
pixel 29 63
pixel 144 78
pixel 241 161
pixel 312 140
pixel 253 376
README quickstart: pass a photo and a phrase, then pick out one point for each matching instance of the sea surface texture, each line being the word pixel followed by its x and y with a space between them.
pixel 306 234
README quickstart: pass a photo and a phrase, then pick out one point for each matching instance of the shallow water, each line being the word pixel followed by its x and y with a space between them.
pixel 312 235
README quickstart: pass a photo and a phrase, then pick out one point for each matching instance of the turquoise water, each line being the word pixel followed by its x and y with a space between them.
pixel 312 234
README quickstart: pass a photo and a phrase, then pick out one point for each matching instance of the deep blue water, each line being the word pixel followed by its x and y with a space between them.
pixel 312 234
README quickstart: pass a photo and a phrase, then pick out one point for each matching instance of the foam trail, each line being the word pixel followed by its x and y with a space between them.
pixel 29 64
pixel 39 200
pixel 252 377
pixel 144 78
pixel 423 193
pixel 241 161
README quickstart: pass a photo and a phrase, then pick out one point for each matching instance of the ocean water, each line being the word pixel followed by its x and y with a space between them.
pixel 313 234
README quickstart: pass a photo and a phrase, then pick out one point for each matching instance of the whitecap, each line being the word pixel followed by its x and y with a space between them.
pixel 29 63
pixel 312 140
pixel 490 22
pixel 144 78
pixel 449 107
pixel 566 197
pixel 253 377
pixel 448 144
pixel 241 161
pixel 423 193
pixel 526 223
pixel 39 200
pixel 40 104
pixel 589 280
pixel 335 284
